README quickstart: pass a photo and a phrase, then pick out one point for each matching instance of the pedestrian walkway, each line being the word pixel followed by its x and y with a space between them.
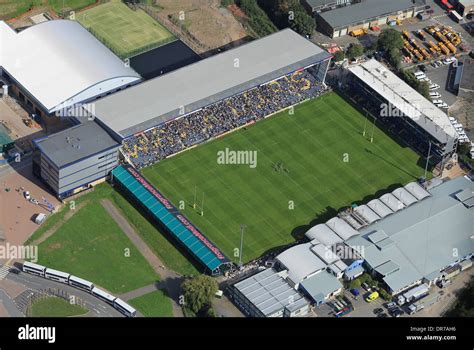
pixel 170 280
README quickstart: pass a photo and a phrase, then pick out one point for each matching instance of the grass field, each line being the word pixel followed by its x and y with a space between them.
pixel 165 250
pixel 311 147
pixel 91 245
pixel 124 31
pixel 154 304
pixel 55 307
pixel 13 8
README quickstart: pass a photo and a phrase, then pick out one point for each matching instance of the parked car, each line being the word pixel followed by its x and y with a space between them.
pixel 435 94
pixel 371 297
pixel 27 195
pixel 34 201
pixel 397 312
pixel 382 315
pixel 378 310
pixel 355 292
pixel 434 86
pixel 366 287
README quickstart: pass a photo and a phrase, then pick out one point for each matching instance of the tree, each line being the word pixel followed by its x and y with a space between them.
pixel 289 13
pixel 355 50
pixel 302 23
pixel 198 293
pixel 356 283
pixel 338 56
pixel 390 39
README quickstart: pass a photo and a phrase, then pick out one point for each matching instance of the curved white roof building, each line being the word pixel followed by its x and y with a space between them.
pixel 417 191
pixel 59 63
pixel 323 234
pixel 368 214
pixel 342 228
pixel 404 196
pixel 379 208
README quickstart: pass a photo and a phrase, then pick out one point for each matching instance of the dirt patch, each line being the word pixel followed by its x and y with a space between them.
pixel 206 24
pixel 236 11
pixel 52 247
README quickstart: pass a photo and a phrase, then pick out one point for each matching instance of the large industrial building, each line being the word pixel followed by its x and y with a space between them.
pixel 419 236
pixel 56 64
pixel 416 244
pixel 406 113
pixel 363 15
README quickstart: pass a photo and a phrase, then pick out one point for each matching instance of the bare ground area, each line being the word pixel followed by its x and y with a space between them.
pixel 16 213
pixel 205 23
pixel 449 296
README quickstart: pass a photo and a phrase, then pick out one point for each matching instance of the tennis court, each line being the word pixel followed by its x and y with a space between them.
pixel 125 31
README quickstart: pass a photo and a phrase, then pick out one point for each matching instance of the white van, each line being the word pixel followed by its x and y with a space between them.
pixel 419 73
pixel 435 94
pixel 436 102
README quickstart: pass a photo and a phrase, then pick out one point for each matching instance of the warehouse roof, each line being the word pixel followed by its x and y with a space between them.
pixel 269 292
pixel 60 63
pixel 300 262
pixel 366 10
pixel 416 190
pixel 342 228
pixel 205 82
pixel 76 143
pixel 392 202
pixel 323 234
pixel 321 285
pixel 379 208
pixel 400 95
pixel 418 241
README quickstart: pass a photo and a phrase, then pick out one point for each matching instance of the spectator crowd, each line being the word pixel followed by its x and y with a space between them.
pixel 166 139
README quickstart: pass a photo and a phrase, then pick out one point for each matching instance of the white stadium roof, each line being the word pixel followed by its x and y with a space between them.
pixel 206 82
pixel 60 63
pixel 368 214
pixel 406 99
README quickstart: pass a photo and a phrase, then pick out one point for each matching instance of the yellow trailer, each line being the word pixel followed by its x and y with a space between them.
pixel 443 48
pixel 358 32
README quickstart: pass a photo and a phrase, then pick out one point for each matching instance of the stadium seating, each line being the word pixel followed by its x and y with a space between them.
pixel 178 134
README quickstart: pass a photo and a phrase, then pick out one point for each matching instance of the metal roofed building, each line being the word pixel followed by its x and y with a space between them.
pixel 301 263
pixel 424 122
pixel 208 81
pixel 56 64
pixel 342 228
pixel 267 294
pixel 313 6
pixel 415 244
pixel 323 234
pixel 379 208
pixel 365 14
pixel 321 287
pixel 75 159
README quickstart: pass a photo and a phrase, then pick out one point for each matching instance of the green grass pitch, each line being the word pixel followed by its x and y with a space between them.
pixel 125 31
pixel 92 246
pixel 312 183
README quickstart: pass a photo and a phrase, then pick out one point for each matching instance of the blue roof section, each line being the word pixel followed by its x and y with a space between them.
pixel 169 216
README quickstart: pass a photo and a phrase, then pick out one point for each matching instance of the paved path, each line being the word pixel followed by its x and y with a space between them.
pixel 171 281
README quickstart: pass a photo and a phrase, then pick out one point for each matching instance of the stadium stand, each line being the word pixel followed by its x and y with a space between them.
pixel 167 215
pixel 176 135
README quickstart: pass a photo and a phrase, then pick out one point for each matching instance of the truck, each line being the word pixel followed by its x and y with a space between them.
pixel 358 32
pixel 421 34
pixel 423 303
pixel 413 294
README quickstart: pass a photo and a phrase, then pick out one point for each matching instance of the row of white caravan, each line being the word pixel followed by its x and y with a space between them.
pixel 463 138
pixel 79 283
